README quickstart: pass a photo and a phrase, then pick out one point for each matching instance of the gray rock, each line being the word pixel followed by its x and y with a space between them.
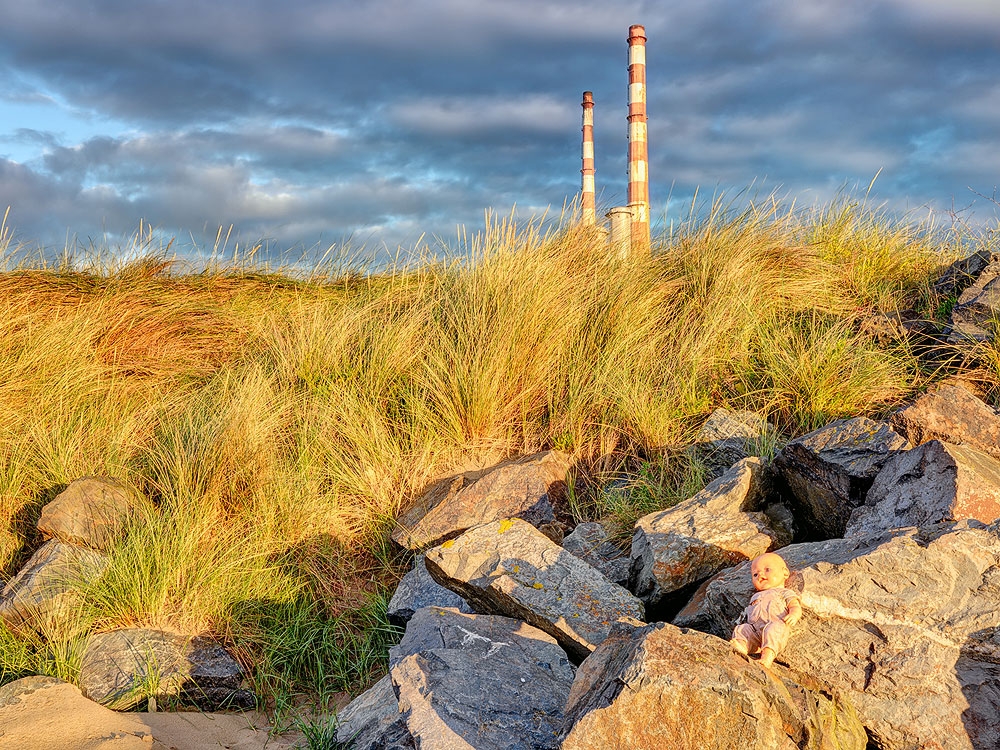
pixel 520 488
pixel 589 541
pixel 656 686
pixel 904 625
pixel 48 584
pixel 714 529
pixel 16 691
pixel 727 437
pixel 373 721
pixel 957 277
pixel 90 512
pixel 829 470
pixel 417 590
pixel 464 681
pixel 508 567
pixel 952 415
pixel 932 483
pixel 976 308
pixel 123 667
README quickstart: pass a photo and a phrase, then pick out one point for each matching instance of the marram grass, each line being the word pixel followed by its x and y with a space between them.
pixel 277 424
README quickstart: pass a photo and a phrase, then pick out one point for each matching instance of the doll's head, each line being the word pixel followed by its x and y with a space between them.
pixel 768 572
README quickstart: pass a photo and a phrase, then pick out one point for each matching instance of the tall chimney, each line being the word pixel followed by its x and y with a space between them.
pixel 638 151
pixel 587 201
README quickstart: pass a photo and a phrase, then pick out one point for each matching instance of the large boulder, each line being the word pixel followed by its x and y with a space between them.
pixel 727 437
pixel 90 512
pixel 48 585
pixel 829 470
pixel 657 686
pixel 43 713
pixel 122 668
pixel 931 483
pixel 521 488
pixel 715 529
pixel 952 415
pixel 464 681
pixel 510 568
pixel 905 625
pixel 591 543
pixel 417 590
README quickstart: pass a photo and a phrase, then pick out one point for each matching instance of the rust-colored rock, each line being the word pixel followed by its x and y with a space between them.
pixel 952 415
pixel 90 512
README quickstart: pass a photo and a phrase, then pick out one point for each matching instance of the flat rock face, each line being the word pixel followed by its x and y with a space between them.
pixel 121 668
pixel 589 541
pixel 521 488
pixel 47 584
pixel 508 567
pixel 932 483
pixel 90 512
pixel 657 686
pixel 464 681
pixel 904 625
pixel 695 539
pixel 41 713
pixel 976 307
pixel 952 415
pixel 417 590
pixel 727 437
pixel 830 470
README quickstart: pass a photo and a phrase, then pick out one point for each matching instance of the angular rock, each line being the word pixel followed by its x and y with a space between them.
pixel 589 541
pixel 712 530
pixel 123 667
pixel 42 713
pixel 830 469
pixel 417 590
pixel 373 721
pixel 962 273
pixel 90 512
pixel 727 437
pixel 976 308
pixel 932 483
pixel 952 415
pixel 905 625
pixel 48 584
pixel 520 488
pixel 657 686
pixel 464 681
pixel 508 567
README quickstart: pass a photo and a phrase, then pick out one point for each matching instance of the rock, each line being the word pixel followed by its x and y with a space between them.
pixel 520 488
pixel 727 437
pixel 960 274
pixel 712 530
pixel 830 469
pixel 976 308
pixel 589 541
pixel 42 713
pixel 373 721
pixel 510 568
pixel 952 415
pixel 905 625
pixel 122 668
pixel 657 686
pixel 90 512
pixel 932 483
pixel 48 585
pixel 417 590
pixel 464 681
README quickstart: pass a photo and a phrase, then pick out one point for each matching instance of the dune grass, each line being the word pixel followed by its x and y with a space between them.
pixel 277 424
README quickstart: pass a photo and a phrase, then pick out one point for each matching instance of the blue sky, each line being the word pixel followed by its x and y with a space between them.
pixel 306 122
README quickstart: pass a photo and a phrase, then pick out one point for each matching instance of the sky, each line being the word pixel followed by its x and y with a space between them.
pixel 390 123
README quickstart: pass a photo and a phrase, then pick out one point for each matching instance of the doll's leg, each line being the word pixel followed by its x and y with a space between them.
pixel 746 639
pixel 775 637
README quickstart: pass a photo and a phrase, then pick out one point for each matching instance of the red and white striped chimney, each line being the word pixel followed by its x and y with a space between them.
pixel 587 199
pixel 638 150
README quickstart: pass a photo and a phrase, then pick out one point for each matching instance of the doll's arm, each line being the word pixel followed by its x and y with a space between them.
pixel 794 613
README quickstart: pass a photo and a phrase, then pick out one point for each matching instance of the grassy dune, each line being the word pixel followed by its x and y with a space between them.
pixel 278 424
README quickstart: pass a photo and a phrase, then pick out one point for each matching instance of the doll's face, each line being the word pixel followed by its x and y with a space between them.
pixel 769 572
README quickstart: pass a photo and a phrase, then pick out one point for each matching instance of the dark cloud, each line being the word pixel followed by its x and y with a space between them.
pixel 314 120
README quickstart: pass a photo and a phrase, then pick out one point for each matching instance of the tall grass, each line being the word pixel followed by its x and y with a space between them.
pixel 277 424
